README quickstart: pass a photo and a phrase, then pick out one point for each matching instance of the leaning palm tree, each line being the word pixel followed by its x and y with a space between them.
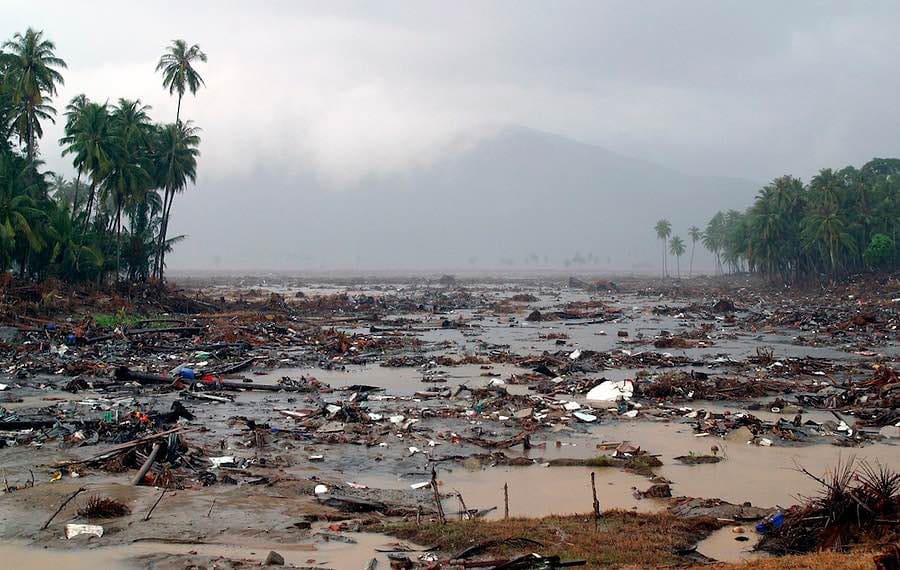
pixel 676 248
pixel 179 75
pixel 695 235
pixel 176 165
pixel 31 72
pixel 663 230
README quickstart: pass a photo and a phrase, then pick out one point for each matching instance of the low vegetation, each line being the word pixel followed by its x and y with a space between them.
pixel 619 539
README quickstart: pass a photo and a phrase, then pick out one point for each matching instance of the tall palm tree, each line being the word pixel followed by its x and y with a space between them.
pixel 127 174
pixel 91 141
pixel 663 230
pixel 73 112
pixel 177 67
pixel 676 248
pixel 695 235
pixel 176 164
pixel 31 70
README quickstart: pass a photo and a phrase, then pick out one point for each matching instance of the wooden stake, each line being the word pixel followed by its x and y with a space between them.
pixel 158 499
pixel 506 500
pixel 596 502
pixel 62 506
pixel 437 496
pixel 464 513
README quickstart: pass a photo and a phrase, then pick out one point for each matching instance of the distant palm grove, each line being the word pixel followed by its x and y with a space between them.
pixel 110 222
pixel 842 222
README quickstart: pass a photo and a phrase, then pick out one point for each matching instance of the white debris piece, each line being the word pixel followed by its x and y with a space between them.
pixel 219 461
pixel 73 530
pixel 610 391
pixel 585 417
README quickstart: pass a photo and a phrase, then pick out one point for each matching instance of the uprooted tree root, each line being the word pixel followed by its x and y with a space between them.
pixel 859 504
pixel 103 508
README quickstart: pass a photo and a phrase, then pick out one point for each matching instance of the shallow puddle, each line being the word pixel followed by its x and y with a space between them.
pixel 765 476
pixel 540 491
pixel 725 545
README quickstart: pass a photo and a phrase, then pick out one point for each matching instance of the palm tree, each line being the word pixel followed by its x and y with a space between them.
pixel 31 72
pixel 179 75
pixel 676 248
pixel 176 164
pixel 714 237
pixel 91 141
pixel 19 212
pixel 73 112
pixel 127 174
pixel 69 258
pixel 827 230
pixel 663 230
pixel 695 235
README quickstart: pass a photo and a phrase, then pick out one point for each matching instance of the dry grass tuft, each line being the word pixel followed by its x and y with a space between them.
pixel 103 508
pixel 857 504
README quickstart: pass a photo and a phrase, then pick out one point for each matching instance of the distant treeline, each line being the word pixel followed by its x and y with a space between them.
pixel 842 222
pixel 111 221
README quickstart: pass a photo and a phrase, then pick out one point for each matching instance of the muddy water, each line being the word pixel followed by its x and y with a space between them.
pixel 539 491
pixel 765 476
pixel 320 552
pixel 401 381
pixel 723 545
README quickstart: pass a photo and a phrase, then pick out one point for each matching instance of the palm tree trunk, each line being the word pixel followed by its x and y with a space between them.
pixel 75 197
pixel 691 270
pixel 29 130
pixel 163 230
pixel 178 111
pixel 162 262
pixel 118 240
pixel 663 257
pixel 678 264
pixel 90 205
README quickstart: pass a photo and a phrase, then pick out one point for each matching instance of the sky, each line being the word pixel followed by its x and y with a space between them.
pixel 335 93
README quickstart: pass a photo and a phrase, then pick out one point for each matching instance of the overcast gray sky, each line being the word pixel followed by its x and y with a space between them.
pixel 346 90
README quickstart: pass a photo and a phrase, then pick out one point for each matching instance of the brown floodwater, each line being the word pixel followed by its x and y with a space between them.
pixel 722 545
pixel 765 476
pixel 539 491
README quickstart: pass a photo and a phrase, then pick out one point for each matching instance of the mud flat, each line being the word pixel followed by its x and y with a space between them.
pixel 310 418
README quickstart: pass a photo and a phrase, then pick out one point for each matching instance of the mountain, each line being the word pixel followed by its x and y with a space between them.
pixel 513 194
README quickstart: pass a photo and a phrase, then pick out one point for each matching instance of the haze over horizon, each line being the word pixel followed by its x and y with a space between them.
pixel 359 134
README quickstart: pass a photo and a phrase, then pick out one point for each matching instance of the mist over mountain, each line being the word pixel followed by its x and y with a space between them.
pixel 513 195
